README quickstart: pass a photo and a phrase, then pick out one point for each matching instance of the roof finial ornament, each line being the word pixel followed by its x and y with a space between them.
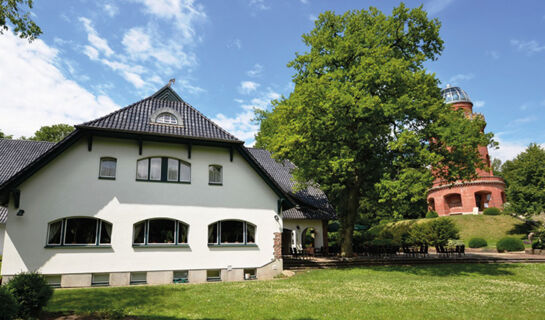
pixel 171 82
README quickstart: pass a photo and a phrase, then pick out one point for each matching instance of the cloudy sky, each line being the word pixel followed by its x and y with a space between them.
pixel 229 57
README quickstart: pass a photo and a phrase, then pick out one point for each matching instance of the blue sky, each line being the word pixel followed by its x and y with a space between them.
pixel 230 56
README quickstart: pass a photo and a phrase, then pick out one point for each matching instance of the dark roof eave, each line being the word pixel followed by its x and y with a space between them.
pixel 191 139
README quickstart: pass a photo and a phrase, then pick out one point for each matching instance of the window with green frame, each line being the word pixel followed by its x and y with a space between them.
pixel 231 232
pixel 163 169
pixel 79 231
pixel 160 232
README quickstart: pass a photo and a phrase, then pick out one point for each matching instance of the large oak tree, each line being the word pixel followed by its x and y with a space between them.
pixel 363 112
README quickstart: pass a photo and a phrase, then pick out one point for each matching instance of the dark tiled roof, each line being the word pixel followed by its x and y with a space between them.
pixel 313 201
pixel 3 214
pixel 17 154
pixel 136 118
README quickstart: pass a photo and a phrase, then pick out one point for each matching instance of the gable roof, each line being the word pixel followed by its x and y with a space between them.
pixel 312 202
pixel 17 154
pixel 138 118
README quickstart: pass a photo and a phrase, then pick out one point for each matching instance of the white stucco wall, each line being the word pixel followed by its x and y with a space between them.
pixel 2 231
pixel 291 224
pixel 69 186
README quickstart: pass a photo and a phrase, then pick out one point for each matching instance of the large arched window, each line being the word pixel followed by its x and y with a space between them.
pixel 163 169
pixel 231 232
pixel 79 231
pixel 160 232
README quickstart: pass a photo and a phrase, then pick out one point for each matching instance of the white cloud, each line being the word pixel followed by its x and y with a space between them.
pixel 259 4
pixel 433 7
pixel 256 71
pixel 461 77
pixel 528 47
pixel 508 150
pixel 236 43
pixel 242 125
pixel 32 67
pixel 184 13
pixel 520 121
pixel 247 87
pixel 304 1
pixel 493 54
pixel 91 52
pixel 479 103
pixel 312 17
pixel 111 9
pixel 98 43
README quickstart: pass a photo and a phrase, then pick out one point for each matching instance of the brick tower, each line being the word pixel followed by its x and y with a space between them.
pixel 466 197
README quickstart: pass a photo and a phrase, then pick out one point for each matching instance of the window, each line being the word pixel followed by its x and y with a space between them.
pixel 250 274
pixel 160 232
pixel 79 231
pixel 53 280
pixel 163 169
pixel 100 279
pixel 167 118
pixel 180 276
pixel 215 174
pixel 138 278
pixel 107 168
pixel 231 232
pixel 213 275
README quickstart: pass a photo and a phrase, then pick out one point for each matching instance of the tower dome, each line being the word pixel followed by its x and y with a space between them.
pixel 455 94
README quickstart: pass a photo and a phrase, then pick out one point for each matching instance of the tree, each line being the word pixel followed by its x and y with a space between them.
pixel 24 27
pixel 365 119
pixel 54 133
pixel 496 167
pixel 5 136
pixel 525 179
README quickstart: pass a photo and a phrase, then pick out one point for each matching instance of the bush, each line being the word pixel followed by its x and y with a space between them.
pixel 510 244
pixel 31 292
pixel 477 243
pixel 432 214
pixel 419 234
pixel 8 304
pixel 442 230
pixel 491 211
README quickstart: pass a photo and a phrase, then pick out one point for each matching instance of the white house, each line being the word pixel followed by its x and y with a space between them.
pixel 152 193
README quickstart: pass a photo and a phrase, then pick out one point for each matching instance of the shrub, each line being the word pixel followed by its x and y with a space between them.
pixel 432 214
pixel 31 292
pixel 8 304
pixel 442 230
pixel 477 243
pixel 419 234
pixel 510 244
pixel 386 234
pixel 491 211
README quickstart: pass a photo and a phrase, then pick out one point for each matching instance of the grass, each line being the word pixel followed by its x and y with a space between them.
pixel 491 228
pixel 472 291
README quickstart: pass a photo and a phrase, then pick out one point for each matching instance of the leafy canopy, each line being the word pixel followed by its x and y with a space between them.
pixel 525 178
pixel 363 112
pixel 54 133
pixel 11 10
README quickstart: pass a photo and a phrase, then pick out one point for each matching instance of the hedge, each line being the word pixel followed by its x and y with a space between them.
pixel 491 211
pixel 477 243
pixel 510 244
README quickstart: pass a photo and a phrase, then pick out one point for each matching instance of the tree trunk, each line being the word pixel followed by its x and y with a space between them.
pixel 352 205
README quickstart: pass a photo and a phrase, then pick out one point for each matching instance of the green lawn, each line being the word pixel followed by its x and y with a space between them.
pixel 491 291
pixel 491 228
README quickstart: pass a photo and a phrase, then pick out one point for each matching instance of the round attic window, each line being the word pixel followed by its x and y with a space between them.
pixel 167 118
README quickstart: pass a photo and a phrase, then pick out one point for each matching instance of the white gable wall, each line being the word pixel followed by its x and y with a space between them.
pixel 69 186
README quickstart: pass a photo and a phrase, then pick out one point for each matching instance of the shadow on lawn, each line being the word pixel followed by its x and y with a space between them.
pixel 455 269
pixel 523 228
pixel 71 315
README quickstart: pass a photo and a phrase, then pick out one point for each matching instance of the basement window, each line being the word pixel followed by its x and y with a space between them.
pixel 250 274
pixel 53 280
pixel 180 276
pixel 100 279
pixel 138 278
pixel 213 275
